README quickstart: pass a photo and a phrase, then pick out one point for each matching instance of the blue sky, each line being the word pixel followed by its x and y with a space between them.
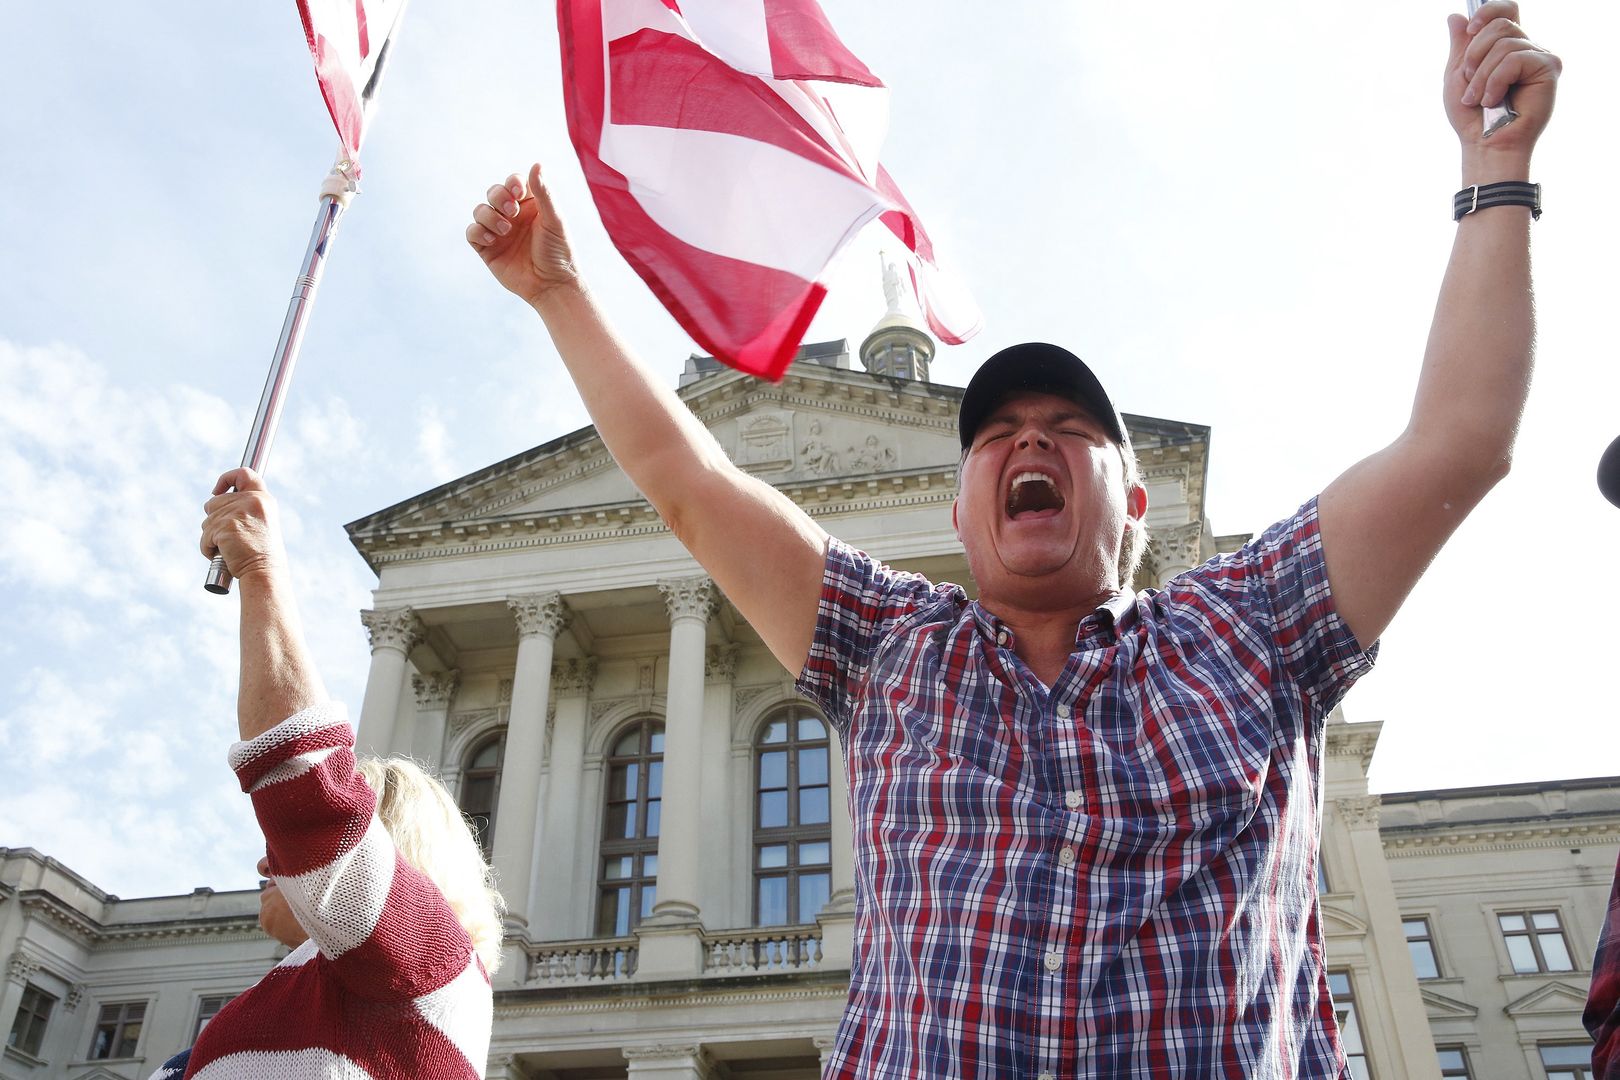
pixel 1241 221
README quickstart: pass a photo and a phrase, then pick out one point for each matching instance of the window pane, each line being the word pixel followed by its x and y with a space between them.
pixel 621 823
pixel 812 895
pixel 655 779
pixel 1566 1055
pixel 622 783
pixel 1555 952
pixel 656 744
pixel 811 729
pixel 629 744
pixel 813 806
pixel 1451 1059
pixel 815 854
pixel 773 809
pixel 1416 928
pixel 136 1011
pixel 1423 959
pixel 773 770
pixel 773 856
pixel 478 794
pixel 655 817
pixel 101 1045
pixel 487 758
pixel 1339 983
pixel 613 913
pixel 1522 955
pixel 1545 920
pixel 1511 922
pixel 773 901
pixel 131 1036
pixel 621 867
pixel 649 897
pixel 649 866
pixel 813 766
pixel 775 733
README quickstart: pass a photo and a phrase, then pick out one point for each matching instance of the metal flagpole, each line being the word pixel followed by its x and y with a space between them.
pixel 336 191
pixel 1500 116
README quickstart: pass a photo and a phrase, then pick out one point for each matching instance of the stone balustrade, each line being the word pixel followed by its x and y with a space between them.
pixel 762 950
pixel 570 963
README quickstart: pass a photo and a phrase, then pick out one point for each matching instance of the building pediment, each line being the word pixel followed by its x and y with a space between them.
pixel 827 437
pixel 1337 922
pixel 1557 998
pixel 1440 1007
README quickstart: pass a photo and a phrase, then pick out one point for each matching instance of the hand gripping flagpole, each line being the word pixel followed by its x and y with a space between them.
pixel 339 187
pixel 1499 116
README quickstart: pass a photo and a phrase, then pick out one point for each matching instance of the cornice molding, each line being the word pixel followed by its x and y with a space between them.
pixel 1439 840
pixel 1353 740
pixel 636 518
pixel 122 936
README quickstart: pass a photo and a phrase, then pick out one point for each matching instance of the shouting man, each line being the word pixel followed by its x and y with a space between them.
pixel 1086 820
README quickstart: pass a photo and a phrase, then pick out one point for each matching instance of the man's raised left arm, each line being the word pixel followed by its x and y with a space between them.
pixel 1386 517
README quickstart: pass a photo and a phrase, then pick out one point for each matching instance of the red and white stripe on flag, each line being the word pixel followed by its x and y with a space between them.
pixel 349 40
pixel 731 147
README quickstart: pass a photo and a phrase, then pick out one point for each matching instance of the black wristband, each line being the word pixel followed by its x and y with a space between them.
pixel 1507 193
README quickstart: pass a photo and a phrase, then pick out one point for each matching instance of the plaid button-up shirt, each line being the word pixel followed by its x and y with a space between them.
pixel 1113 876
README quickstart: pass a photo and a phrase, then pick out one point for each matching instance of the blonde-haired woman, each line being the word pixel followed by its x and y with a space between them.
pixel 375 880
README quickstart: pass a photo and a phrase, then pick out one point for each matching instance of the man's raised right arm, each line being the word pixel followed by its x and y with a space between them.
pixel 764 552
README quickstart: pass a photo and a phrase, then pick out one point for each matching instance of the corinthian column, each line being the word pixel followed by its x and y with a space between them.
pixel 540 618
pixel 690 602
pixel 394 632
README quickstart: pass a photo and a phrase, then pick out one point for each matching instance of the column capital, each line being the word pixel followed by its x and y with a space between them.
pixel 392 628
pixel 689 598
pixel 540 614
pixel 1172 550
pixel 1359 812
pixel 435 689
pixel 720 663
pixel 573 677
pixel 21 967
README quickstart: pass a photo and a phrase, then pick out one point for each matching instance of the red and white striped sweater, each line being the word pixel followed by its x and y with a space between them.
pixel 388 985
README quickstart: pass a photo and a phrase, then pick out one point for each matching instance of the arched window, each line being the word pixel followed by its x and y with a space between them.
pixel 792 835
pixel 627 887
pixel 480 786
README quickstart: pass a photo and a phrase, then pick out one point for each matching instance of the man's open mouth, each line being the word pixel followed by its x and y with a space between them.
pixel 1032 494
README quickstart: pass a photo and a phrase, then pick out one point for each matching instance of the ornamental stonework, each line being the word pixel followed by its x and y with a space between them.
pixel 574 677
pixel 1178 548
pixel 720 663
pixel 544 614
pixel 1360 811
pixel 392 628
pixel 21 968
pixel 435 689
pixel 689 598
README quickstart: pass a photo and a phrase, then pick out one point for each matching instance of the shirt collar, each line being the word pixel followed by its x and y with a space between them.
pixel 1110 615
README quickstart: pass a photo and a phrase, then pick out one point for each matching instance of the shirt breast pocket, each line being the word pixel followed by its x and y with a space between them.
pixel 1183 759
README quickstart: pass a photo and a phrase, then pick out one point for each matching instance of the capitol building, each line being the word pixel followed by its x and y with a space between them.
pixel 667 817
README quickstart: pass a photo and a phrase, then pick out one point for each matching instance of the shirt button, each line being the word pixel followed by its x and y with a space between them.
pixel 1053 961
pixel 1001 637
pixel 1063 712
pixel 1066 855
pixel 1046 1076
pixel 1072 800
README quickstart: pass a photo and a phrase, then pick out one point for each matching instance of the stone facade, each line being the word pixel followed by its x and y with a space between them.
pixel 538 608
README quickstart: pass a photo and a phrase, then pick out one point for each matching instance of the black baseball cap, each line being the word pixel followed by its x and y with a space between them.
pixel 1042 368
